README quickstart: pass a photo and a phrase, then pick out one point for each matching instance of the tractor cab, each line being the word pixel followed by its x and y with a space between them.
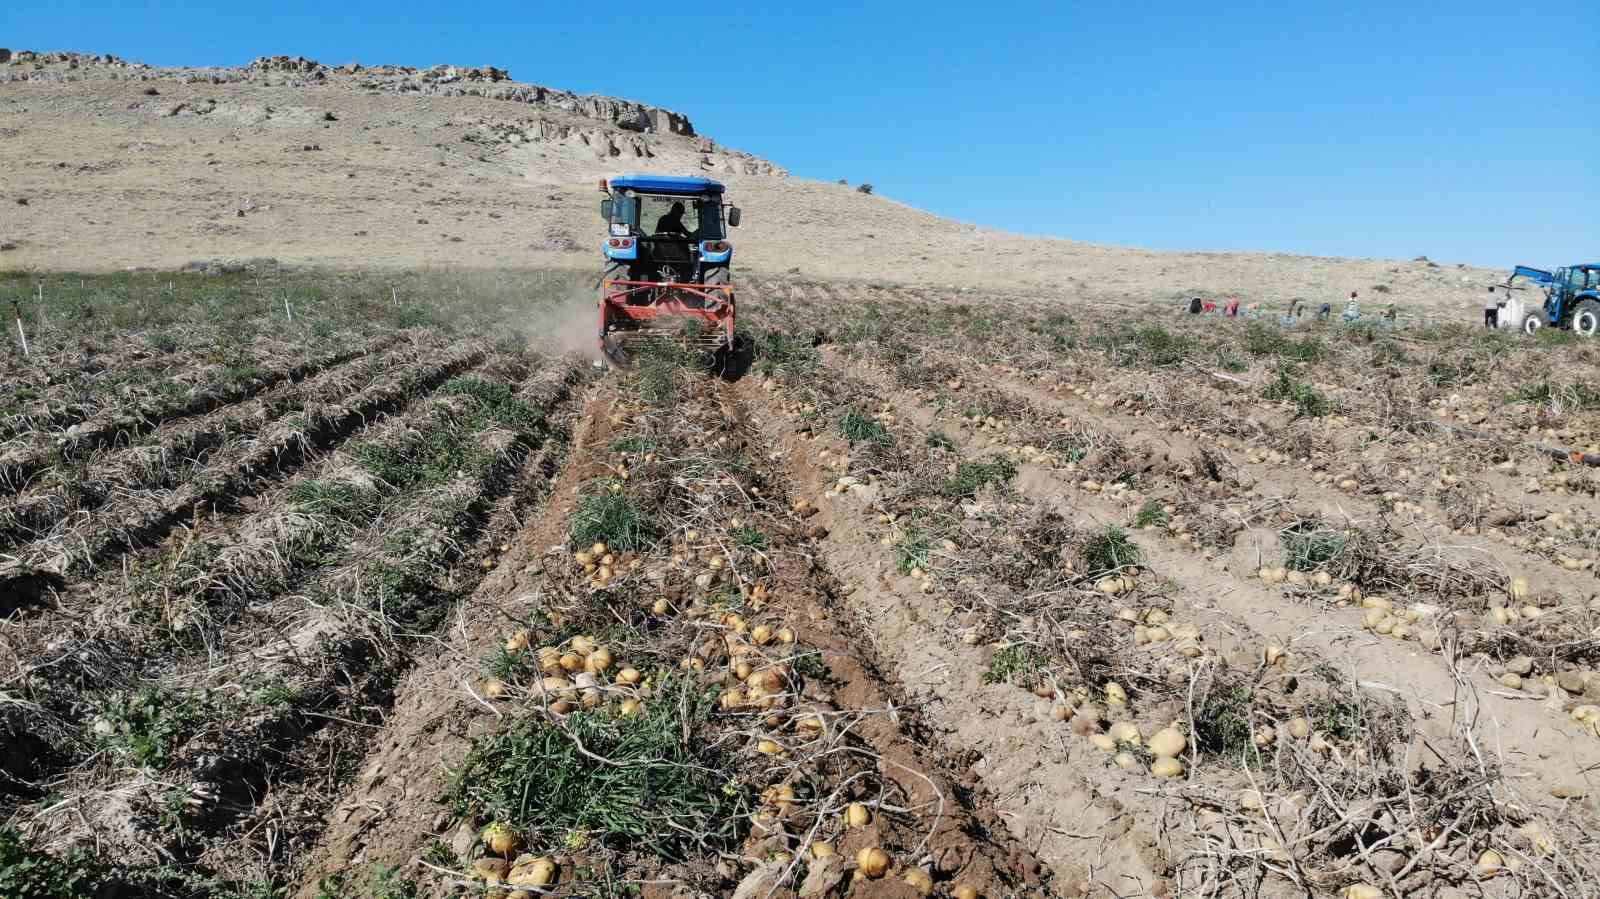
pixel 661 228
pixel 668 261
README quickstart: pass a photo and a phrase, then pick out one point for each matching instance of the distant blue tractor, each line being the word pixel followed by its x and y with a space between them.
pixel 1572 298
pixel 668 264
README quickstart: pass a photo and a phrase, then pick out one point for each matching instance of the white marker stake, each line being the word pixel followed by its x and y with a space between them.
pixel 24 335
pixel 286 310
pixel 395 297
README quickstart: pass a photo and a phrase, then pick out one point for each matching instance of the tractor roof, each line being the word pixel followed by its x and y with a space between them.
pixel 668 184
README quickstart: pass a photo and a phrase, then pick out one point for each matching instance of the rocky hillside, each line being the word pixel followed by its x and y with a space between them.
pixel 108 164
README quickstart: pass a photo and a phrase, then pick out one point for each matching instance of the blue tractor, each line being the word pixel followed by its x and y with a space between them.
pixel 668 264
pixel 1572 298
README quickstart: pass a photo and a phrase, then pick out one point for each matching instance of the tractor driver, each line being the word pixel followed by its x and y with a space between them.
pixel 671 224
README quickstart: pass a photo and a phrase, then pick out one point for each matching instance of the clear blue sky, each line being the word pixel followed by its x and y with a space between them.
pixel 1467 131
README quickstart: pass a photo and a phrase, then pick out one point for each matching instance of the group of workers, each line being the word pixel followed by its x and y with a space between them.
pixel 1297 309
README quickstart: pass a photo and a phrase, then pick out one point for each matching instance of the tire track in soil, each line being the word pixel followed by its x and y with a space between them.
pixel 974 845
pixel 1513 724
pixel 1079 826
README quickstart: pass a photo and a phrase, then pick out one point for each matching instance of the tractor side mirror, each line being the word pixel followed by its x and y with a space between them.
pixel 605 209
pixel 733 216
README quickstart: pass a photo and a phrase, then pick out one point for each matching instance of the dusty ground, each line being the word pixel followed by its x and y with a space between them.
pixel 114 176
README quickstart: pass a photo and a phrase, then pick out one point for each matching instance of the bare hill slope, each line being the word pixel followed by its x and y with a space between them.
pixel 106 164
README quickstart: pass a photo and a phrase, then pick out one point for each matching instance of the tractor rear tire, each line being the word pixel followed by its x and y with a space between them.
pixel 1586 318
pixel 1534 322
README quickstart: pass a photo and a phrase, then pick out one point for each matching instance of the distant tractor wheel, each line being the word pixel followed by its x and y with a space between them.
pixel 1586 318
pixel 1534 323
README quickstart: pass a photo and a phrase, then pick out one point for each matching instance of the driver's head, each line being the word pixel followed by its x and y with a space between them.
pixel 677 208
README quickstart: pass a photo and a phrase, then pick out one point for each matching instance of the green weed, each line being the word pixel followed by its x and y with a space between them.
pixel 1108 551
pixel 972 476
pixel 662 790
pixel 1151 513
pixel 147 726
pixel 746 537
pixel 1222 725
pixel 28 873
pixel 1307 400
pixel 1310 546
pixel 378 883
pixel 859 427
pixel 1015 664
pixel 612 518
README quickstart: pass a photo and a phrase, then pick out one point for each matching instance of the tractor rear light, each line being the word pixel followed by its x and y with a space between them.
pixel 620 243
pixel 717 246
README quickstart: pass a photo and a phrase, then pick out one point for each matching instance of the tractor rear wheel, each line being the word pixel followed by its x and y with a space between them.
pixel 1534 322
pixel 1586 318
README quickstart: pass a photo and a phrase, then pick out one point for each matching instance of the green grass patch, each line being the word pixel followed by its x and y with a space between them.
pixel 914 549
pixel 377 883
pixel 859 427
pixel 1307 400
pixel 1015 664
pixel 1108 551
pixel 1309 546
pixel 316 497
pixel 1566 396
pixel 144 729
pixel 1222 724
pixel 973 475
pixel 1265 340
pixel 604 516
pixel 942 441
pixel 29 873
pixel 1151 513
pixel 1160 348
pixel 496 403
pixel 746 537
pixel 664 790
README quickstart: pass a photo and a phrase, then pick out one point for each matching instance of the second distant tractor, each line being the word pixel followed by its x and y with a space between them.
pixel 1572 298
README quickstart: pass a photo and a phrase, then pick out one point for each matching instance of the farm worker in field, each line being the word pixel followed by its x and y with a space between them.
pixel 1210 306
pixel 1352 309
pixel 1491 310
pixel 1195 305
pixel 1325 311
pixel 672 222
pixel 1233 307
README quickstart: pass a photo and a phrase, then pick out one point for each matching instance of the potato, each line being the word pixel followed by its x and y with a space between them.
pixel 1489 863
pixel 872 862
pixel 1167 768
pixel 537 872
pixel 1127 761
pixel 500 839
pixel 856 815
pixel 919 879
pixel 1125 732
pixel 1168 742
